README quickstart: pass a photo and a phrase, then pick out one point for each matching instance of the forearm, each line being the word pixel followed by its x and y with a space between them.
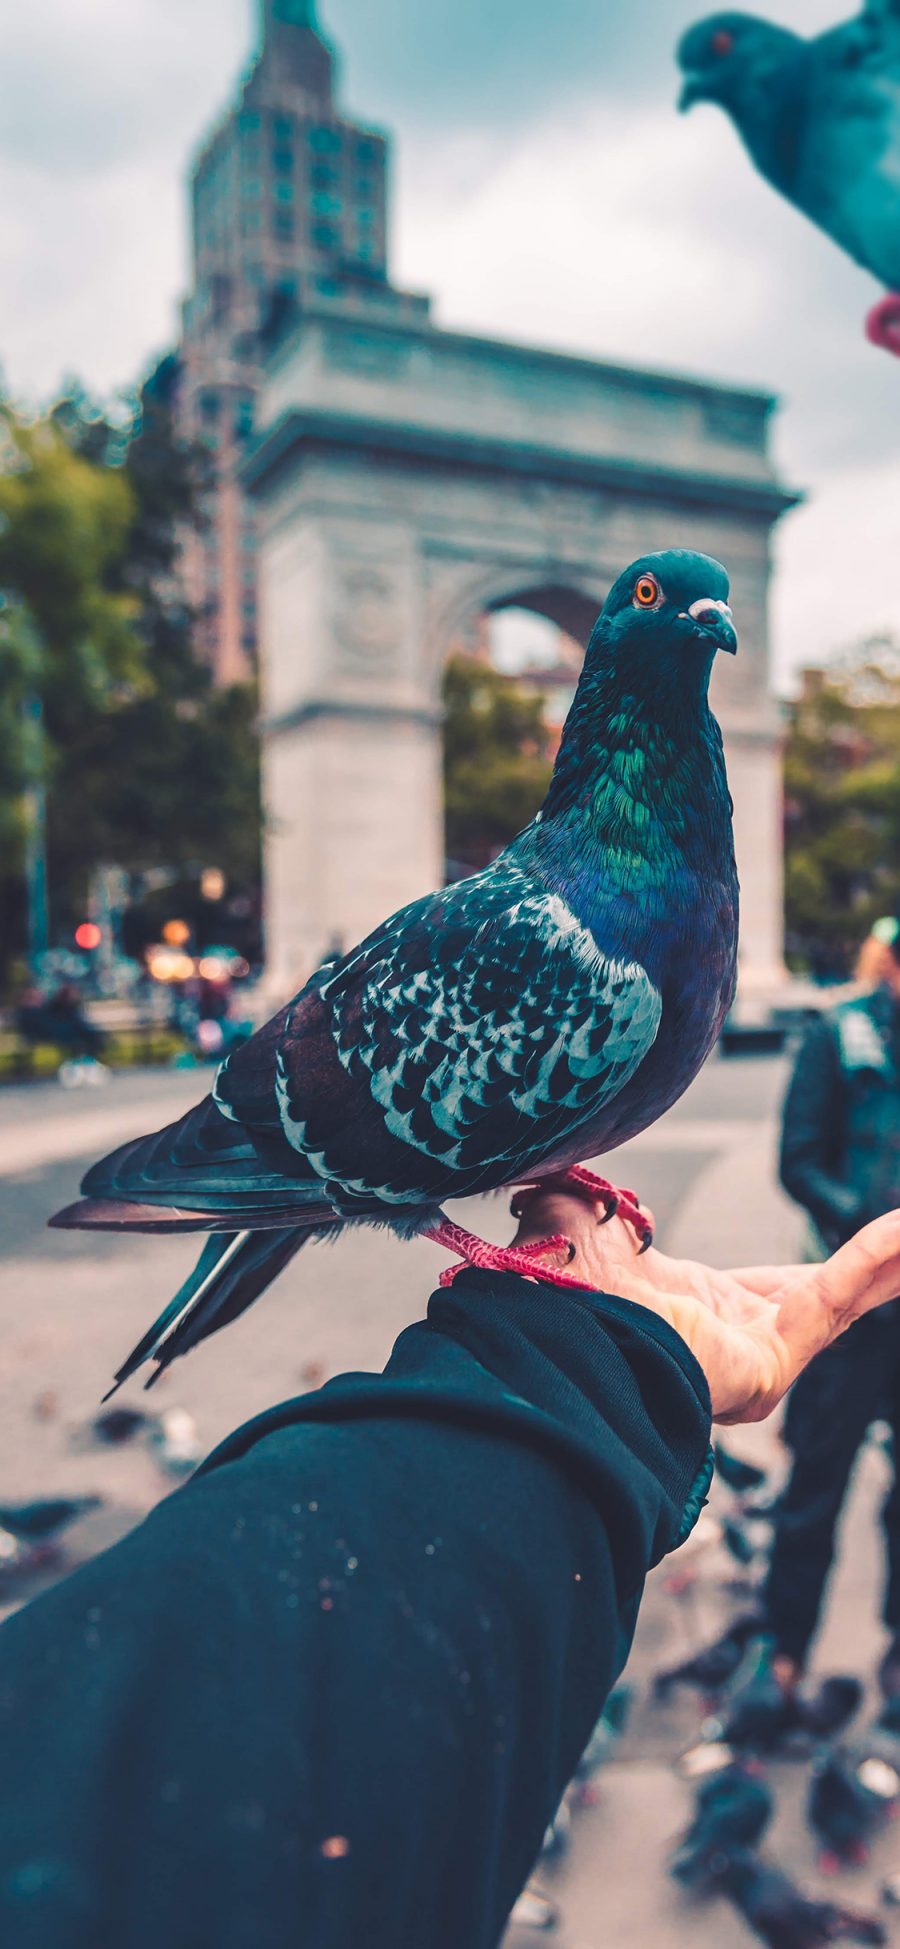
pixel 345 1674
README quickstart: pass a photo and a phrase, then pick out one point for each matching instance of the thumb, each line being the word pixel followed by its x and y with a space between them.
pixel 819 1305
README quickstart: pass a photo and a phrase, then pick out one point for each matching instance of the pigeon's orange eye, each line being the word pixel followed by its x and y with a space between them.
pixel 646 591
pixel 722 41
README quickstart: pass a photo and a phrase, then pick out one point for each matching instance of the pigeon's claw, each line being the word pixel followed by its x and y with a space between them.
pixel 883 324
pixel 526 1260
pixel 617 1200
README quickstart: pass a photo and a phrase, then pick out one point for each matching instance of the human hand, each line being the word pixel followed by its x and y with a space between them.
pixel 752 1330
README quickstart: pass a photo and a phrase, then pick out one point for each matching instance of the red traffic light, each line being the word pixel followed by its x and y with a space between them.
pixel 88 935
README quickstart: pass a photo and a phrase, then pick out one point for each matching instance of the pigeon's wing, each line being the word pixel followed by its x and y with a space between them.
pixel 848 174
pixel 881 13
pixel 477 1036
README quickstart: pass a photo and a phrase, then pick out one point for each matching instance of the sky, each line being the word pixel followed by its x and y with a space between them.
pixel 543 189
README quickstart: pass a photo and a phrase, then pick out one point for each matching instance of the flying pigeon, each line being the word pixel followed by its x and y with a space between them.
pixel 821 121
pixel 498 1032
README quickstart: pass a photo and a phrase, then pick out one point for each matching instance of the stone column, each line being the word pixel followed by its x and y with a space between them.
pixel 751 728
pixel 352 755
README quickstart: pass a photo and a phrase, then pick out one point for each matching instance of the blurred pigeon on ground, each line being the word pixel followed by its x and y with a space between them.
pixel 743 1477
pixel 844 1806
pixel 607 1732
pixel 602 1744
pixel 781 1916
pixel 710 1669
pixel 821 121
pixel 827 1710
pixel 38 1522
pixel 116 1426
pixel 759 1712
pixel 888 1720
pixel 746 1542
pixel 495 1033
pixel 733 1808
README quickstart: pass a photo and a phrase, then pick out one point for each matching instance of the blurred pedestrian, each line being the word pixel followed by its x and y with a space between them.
pixel 873 962
pixel 840 1160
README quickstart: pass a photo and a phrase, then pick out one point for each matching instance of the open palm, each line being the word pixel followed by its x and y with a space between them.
pixel 753 1329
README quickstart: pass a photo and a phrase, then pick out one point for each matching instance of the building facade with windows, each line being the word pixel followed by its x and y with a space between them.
pixel 288 207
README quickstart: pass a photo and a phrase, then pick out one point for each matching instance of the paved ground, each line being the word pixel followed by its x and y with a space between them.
pixel 70 1306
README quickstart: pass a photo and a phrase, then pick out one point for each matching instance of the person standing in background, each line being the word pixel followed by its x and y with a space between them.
pixel 840 1160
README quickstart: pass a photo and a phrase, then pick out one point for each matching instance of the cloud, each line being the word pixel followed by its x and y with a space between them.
pixel 544 189
pixel 630 237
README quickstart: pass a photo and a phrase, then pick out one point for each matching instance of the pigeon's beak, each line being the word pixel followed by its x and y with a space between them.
pixel 693 89
pixel 715 619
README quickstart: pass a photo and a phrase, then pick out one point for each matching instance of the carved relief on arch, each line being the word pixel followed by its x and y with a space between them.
pixel 366 616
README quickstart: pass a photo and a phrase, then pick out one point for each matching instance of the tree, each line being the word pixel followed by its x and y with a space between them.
pixel 147 764
pixel 497 765
pixel 64 528
pixel 842 807
pixel 174 768
pixel 66 624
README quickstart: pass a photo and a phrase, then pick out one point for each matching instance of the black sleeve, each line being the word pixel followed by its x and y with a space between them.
pixel 811 1137
pixel 330 1692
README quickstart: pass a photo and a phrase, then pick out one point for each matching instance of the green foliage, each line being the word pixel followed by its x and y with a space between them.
pixel 497 765
pixel 173 769
pixel 842 806
pixel 146 763
pixel 64 527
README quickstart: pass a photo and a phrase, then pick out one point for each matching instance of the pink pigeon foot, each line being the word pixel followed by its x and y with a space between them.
pixel 883 324
pixel 582 1183
pixel 523 1259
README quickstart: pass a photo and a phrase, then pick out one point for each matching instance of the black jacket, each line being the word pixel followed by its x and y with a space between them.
pixel 840 1148
pixel 330 1692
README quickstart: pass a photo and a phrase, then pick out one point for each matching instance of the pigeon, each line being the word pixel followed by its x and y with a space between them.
pixel 743 1543
pixel 821 121
pixel 844 1806
pixel 760 1711
pixel 494 1034
pixel 732 1808
pixel 780 1915
pixel 741 1476
pixel 117 1426
pixel 888 1720
pixel 37 1522
pixel 710 1669
pixel 832 1705
pixel 605 1738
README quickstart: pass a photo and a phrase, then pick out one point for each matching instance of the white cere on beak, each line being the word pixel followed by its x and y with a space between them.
pixel 703 606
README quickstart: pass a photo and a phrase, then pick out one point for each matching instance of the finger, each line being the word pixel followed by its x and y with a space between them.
pixel 820 1304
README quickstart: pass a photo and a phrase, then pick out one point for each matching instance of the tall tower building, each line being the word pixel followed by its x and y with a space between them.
pixel 288 204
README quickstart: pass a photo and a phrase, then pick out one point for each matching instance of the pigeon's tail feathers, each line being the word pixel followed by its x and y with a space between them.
pixel 120 1215
pixel 204 1173
pixel 233 1269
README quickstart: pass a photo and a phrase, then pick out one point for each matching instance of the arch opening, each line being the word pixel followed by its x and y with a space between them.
pixel 508 682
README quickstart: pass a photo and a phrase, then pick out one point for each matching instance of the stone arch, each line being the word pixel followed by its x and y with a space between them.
pixel 409 479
